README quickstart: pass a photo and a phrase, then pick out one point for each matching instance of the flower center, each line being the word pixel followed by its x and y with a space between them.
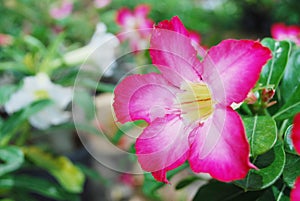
pixel 41 94
pixel 195 101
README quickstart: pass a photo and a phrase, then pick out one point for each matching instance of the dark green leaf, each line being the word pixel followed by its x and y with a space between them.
pixel 270 166
pixel 288 144
pixel 11 157
pixel 291 107
pixel 37 185
pixel 280 194
pixel 291 170
pixel 273 71
pixel 218 191
pixel 151 185
pixel 66 173
pixel 185 182
pixel 261 132
pixel 291 77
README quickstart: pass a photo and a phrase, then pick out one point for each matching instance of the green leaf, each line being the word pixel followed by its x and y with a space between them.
pixel 291 77
pixel 12 158
pixel 5 92
pixel 273 71
pixel 261 132
pixel 37 185
pixel 67 174
pixel 85 101
pixel 291 107
pixel 291 170
pixel 185 182
pixel 280 194
pixel 12 124
pixel 270 166
pixel 288 144
pixel 217 191
pixel 150 185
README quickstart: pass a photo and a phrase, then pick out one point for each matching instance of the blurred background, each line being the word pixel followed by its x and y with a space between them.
pixel 60 39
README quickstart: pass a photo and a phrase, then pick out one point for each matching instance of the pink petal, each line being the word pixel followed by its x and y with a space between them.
pixel 220 147
pixel 278 30
pixel 232 68
pixel 196 37
pixel 142 10
pixel 162 146
pixel 143 97
pixel 295 193
pixel 296 133
pixel 171 51
pixel 123 16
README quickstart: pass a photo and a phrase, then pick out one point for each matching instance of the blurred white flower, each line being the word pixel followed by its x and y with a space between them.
pixel 100 51
pixel 37 88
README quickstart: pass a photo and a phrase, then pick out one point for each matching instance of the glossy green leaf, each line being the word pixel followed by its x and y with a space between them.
pixel 291 107
pixel 291 77
pixel 11 159
pixel 272 72
pixel 261 132
pixel 37 185
pixel 66 173
pixel 217 191
pixel 292 169
pixel 5 92
pixel 270 166
pixel 280 194
pixel 288 144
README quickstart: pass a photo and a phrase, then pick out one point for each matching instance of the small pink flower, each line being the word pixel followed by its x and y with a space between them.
pixel 62 11
pixel 295 194
pixel 280 31
pixel 187 104
pixel 101 3
pixel 136 24
pixel 5 40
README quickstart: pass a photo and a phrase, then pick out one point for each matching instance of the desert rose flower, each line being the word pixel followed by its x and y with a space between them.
pixel 295 194
pixel 135 26
pixel 37 88
pixel 280 31
pixel 187 105
pixel 61 11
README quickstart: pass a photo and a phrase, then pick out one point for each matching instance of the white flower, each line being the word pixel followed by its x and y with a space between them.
pixel 100 51
pixel 40 87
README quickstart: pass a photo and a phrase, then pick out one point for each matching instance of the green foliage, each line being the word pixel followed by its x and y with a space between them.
pixel 261 132
pixel 12 158
pixel 272 72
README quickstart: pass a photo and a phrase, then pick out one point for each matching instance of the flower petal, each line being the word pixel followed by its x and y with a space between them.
pixel 162 146
pixel 142 10
pixel 232 68
pixel 296 133
pixel 219 148
pixel 143 97
pixel 295 193
pixel 123 16
pixel 171 51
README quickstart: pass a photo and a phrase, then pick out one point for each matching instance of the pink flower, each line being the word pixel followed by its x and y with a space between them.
pixel 62 11
pixel 135 26
pixel 187 104
pixel 101 3
pixel 5 40
pixel 295 194
pixel 280 31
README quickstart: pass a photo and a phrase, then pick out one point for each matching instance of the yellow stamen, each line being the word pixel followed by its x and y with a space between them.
pixel 195 101
pixel 41 94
